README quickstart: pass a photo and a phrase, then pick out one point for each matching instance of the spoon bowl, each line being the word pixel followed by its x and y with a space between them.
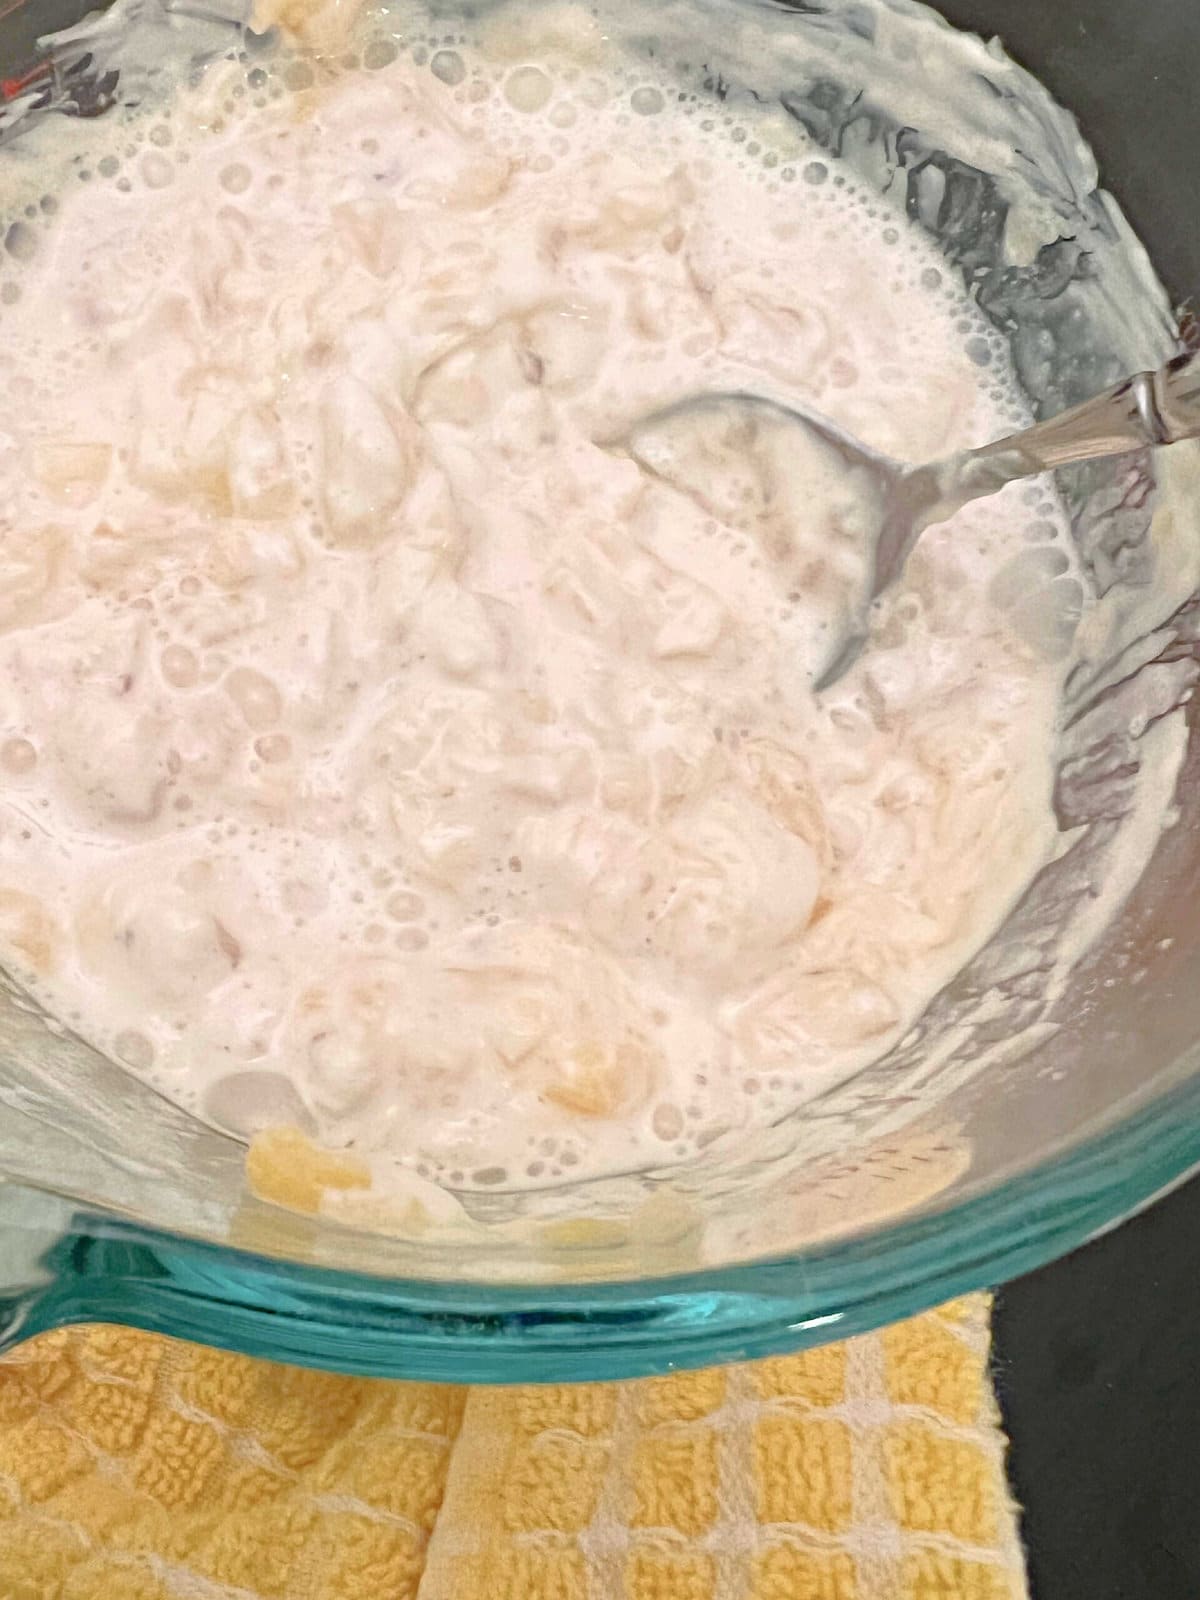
pixel 894 502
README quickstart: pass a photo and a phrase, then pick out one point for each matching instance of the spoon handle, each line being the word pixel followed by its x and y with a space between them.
pixel 1151 408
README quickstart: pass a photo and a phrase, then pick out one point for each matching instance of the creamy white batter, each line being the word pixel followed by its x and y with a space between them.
pixel 384 748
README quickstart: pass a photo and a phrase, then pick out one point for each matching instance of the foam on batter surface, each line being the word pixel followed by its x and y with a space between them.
pixel 384 748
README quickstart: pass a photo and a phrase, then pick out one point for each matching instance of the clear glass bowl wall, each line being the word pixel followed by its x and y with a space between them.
pixel 924 1176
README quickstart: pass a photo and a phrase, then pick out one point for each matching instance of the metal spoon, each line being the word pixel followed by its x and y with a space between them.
pixel 1153 408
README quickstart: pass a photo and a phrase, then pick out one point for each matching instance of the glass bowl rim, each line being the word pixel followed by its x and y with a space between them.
pixel 95 1266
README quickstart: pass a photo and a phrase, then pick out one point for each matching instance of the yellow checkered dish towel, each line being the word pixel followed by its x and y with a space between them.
pixel 133 1467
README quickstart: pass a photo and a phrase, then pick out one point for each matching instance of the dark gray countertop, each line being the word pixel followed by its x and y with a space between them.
pixel 1096 1367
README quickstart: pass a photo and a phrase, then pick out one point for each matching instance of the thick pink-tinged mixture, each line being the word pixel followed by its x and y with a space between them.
pixel 383 746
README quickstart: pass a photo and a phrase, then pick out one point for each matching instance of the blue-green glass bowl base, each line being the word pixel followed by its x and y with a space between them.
pixel 68 1266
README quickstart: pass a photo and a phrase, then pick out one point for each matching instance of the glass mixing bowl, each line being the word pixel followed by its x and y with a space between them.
pixel 1029 1110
